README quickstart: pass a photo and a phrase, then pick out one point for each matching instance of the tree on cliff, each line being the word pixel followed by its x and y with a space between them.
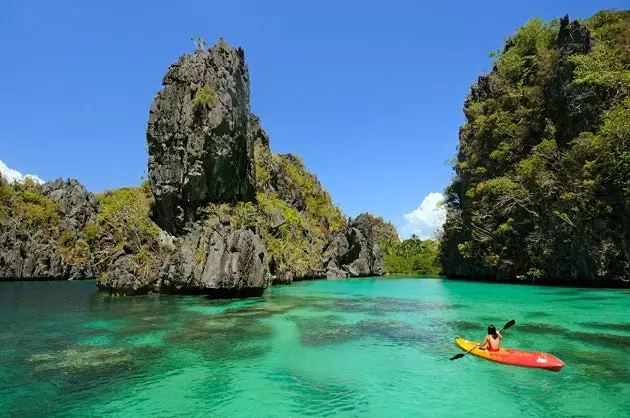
pixel 542 185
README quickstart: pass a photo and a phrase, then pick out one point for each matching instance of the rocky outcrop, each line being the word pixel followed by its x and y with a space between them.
pixel 211 220
pixel 257 133
pixel 200 147
pixel 36 251
pixel 355 252
pixel 330 246
pixel 75 204
pixel 200 153
pixel 201 156
pixel 525 204
pixel 216 261
pixel 383 231
pixel 222 262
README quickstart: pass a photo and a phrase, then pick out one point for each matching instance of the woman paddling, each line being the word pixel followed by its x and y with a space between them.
pixel 492 342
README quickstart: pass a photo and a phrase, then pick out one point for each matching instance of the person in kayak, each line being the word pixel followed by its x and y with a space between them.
pixel 492 342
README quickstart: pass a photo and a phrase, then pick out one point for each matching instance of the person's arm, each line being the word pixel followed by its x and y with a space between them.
pixel 499 335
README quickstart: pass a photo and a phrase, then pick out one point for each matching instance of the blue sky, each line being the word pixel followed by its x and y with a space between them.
pixel 368 93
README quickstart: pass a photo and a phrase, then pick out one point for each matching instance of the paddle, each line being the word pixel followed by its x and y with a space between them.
pixel 460 355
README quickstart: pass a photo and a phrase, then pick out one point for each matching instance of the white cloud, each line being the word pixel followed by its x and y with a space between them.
pixel 426 220
pixel 12 175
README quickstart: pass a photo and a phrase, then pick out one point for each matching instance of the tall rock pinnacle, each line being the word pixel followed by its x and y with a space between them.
pixel 198 135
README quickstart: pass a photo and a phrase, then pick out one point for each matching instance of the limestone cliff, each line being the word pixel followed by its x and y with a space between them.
pixel 200 155
pixel 540 192
pixel 41 230
pixel 306 234
pixel 200 150
pixel 220 215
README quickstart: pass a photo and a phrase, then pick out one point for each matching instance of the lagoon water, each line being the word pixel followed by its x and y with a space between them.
pixel 373 347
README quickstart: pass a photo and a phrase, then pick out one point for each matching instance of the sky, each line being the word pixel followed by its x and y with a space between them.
pixel 368 93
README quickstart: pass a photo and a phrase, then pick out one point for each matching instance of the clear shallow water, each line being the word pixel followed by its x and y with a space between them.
pixel 321 348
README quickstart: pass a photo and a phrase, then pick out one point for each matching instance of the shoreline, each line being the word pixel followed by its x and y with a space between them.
pixel 579 284
pixel 556 283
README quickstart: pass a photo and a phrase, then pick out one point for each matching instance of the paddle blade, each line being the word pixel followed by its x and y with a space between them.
pixel 456 356
pixel 509 324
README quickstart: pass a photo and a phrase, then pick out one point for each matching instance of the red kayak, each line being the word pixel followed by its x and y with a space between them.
pixel 532 359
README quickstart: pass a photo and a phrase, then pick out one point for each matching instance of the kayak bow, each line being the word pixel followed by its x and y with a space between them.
pixel 532 359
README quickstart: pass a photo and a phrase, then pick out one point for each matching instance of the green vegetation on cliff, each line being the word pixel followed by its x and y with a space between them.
pixel 293 214
pixel 542 186
pixel 123 226
pixel 296 214
pixel 383 231
pixel 412 256
pixel 205 96
pixel 25 204
pixel 119 225
pixel 35 235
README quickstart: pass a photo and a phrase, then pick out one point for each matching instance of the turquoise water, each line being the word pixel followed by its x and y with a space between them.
pixel 322 348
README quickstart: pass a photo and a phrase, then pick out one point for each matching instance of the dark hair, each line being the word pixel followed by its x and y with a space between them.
pixel 492 331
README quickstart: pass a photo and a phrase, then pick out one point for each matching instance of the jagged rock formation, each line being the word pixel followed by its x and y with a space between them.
pixel 221 215
pixel 76 205
pixel 383 231
pixel 200 153
pixel 300 218
pixel 217 261
pixel 355 252
pixel 198 135
pixel 39 230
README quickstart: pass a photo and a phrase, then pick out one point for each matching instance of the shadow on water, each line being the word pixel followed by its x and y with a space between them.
pixel 461 328
pixel 376 306
pixel 396 332
pixel 324 330
pixel 79 371
pixel 542 329
pixel 568 291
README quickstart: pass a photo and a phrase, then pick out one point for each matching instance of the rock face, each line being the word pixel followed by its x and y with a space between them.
pixel 329 246
pixel 200 153
pixel 27 252
pixel 512 213
pixel 205 223
pixel 76 204
pixel 200 149
pixel 217 261
pixel 356 252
